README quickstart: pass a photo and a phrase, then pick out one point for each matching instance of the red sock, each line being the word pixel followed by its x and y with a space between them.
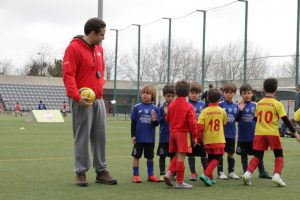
pixel 210 168
pixel 254 162
pixel 172 166
pixel 180 171
pixel 278 165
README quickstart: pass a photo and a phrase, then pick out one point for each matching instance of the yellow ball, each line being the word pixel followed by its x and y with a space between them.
pixel 88 93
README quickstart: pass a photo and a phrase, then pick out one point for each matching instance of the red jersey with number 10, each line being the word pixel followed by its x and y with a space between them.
pixel 268 112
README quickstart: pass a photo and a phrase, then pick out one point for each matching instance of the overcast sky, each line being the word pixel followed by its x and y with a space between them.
pixel 27 24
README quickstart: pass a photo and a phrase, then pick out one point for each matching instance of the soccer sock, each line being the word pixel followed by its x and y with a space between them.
pixel 192 164
pixel 278 165
pixel 261 167
pixel 220 165
pixel 135 171
pixel 172 166
pixel 180 171
pixel 210 168
pixel 150 167
pixel 162 165
pixel 230 162
pixel 244 160
pixel 204 163
pixel 253 164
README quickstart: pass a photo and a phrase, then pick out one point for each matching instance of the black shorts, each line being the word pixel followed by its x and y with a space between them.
pixel 198 151
pixel 163 150
pixel 230 145
pixel 140 147
pixel 244 147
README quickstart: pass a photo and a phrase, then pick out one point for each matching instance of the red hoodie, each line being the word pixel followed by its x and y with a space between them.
pixel 81 63
pixel 182 117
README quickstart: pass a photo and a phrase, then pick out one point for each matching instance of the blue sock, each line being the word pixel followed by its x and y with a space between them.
pixel 150 167
pixel 135 171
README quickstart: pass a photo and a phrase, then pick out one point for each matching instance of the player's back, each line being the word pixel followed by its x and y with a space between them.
pixel 213 118
pixel 268 112
pixel 180 113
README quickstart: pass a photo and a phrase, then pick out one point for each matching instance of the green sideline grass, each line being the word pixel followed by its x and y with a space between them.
pixel 36 164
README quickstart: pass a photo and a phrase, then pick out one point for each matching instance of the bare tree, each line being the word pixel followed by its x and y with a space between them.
pixel 39 62
pixel 5 67
pixel 109 59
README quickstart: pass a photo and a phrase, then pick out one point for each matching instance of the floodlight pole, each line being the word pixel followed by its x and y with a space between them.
pixel 203 47
pixel 139 63
pixel 100 9
pixel 115 75
pixel 297 46
pixel 169 49
pixel 245 39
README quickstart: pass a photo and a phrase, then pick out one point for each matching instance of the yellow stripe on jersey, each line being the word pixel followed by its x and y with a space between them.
pixel 268 112
pixel 188 138
pixel 213 118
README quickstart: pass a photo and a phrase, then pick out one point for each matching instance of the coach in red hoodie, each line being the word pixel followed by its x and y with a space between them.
pixel 84 67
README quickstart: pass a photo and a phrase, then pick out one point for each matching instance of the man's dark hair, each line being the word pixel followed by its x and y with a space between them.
pixel 229 87
pixel 270 85
pixel 182 88
pixel 168 89
pixel 210 86
pixel 93 24
pixel 214 95
pixel 245 87
pixel 253 98
pixel 195 87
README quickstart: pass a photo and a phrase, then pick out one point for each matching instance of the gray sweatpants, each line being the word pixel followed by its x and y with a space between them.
pixel 89 124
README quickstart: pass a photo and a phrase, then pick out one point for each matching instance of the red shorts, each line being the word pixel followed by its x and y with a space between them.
pixel 214 148
pixel 263 142
pixel 180 142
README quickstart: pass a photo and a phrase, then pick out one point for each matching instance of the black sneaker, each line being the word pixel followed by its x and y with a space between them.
pixel 265 175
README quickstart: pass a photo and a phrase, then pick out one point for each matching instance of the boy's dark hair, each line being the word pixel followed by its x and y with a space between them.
pixel 93 24
pixel 229 87
pixel 245 87
pixel 195 87
pixel 253 98
pixel 210 86
pixel 270 85
pixel 182 88
pixel 214 95
pixel 149 89
pixel 168 89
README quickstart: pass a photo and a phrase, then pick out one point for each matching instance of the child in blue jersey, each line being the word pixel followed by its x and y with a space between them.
pixel 246 129
pixel 198 150
pixel 232 110
pixel 164 132
pixel 143 122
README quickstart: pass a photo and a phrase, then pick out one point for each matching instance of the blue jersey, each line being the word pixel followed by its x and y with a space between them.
pixel 145 131
pixel 246 124
pixel 232 110
pixel 198 106
pixel 164 132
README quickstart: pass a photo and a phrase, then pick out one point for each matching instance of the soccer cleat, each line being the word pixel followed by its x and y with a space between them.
pixel 206 180
pixel 193 177
pixel 136 179
pixel 214 181
pixel 153 179
pixel 278 181
pixel 265 175
pixel 168 179
pixel 247 177
pixel 222 176
pixel 183 185
pixel 232 175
